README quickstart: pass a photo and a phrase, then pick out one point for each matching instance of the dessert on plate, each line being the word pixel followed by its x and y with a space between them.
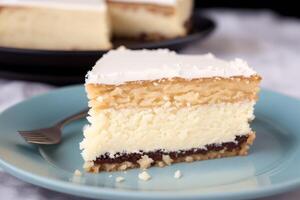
pixel 89 24
pixel 54 24
pixel 155 107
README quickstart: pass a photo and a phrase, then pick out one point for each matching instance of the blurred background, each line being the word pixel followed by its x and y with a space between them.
pixel 287 8
pixel 264 33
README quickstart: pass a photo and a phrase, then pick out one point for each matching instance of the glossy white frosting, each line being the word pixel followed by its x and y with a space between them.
pixel 123 65
pixel 159 2
pixel 65 4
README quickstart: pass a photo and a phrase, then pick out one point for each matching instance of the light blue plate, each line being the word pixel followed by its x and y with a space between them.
pixel 272 167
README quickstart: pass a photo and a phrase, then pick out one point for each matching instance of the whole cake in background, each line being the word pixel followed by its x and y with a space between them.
pixel 155 107
pixel 54 24
pixel 150 19
pixel 89 24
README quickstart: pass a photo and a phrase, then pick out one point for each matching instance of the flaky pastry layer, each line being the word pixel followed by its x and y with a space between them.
pixel 177 92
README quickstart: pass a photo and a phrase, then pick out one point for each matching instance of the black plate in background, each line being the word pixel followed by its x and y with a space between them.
pixel 53 66
pixel 53 79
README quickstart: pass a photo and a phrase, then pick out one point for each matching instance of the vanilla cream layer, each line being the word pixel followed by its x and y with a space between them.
pixel 167 128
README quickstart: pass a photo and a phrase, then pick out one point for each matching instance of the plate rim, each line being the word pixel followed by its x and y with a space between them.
pixel 111 193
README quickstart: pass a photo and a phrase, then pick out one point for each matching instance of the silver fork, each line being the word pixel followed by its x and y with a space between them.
pixel 50 135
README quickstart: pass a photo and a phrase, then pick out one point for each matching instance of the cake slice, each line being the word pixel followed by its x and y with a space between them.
pixel 55 24
pixel 150 19
pixel 155 107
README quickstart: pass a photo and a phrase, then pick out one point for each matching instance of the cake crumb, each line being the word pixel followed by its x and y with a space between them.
pixel 120 179
pixel 189 159
pixel 123 167
pixel 160 164
pixel 77 172
pixel 88 165
pixel 144 176
pixel 145 162
pixel 177 174
pixel 167 159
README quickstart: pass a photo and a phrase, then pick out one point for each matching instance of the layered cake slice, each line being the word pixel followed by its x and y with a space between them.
pixel 155 108
pixel 150 19
pixel 55 24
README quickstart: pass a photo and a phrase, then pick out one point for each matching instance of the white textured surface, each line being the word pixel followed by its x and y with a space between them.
pixel 120 179
pixel 167 128
pixel 269 43
pixel 160 2
pixel 177 174
pixel 64 4
pixel 77 172
pixel 123 65
pixel 144 176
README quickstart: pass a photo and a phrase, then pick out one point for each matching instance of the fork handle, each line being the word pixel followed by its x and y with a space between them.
pixel 71 118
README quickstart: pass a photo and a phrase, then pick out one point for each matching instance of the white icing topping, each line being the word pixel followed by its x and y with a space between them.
pixel 159 2
pixel 65 4
pixel 122 65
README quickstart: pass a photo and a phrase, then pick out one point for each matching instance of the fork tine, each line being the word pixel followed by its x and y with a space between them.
pixel 37 140
pixel 29 132
pixel 33 136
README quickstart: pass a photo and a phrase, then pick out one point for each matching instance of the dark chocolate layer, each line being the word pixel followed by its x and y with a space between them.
pixel 157 155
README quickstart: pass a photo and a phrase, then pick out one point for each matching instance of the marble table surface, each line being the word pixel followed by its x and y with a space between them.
pixel 270 43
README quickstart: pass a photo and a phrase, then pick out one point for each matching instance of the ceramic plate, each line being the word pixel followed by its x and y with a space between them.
pixel 272 166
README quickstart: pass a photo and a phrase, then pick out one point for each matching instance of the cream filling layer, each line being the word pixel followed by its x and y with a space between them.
pixel 168 128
